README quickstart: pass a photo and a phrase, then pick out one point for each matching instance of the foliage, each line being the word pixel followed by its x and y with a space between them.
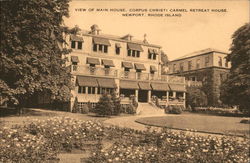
pixel 129 109
pixel 75 107
pixel 31 50
pixel 105 106
pixel 245 120
pixel 196 97
pixel 167 146
pixel 17 146
pixel 85 109
pixel 65 134
pixel 235 90
pixel 219 111
pixel 174 109
pixel 117 104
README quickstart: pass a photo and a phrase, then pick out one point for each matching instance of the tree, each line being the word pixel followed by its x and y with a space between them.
pixel 236 89
pixel 164 62
pixel 196 97
pixel 105 105
pixel 31 50
pixel 117 104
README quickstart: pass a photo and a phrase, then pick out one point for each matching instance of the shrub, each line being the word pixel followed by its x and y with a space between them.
pixel 174 109
pixel 117 104
pixel 219 111
pixel 105 106
pixel 84 109
pixel 196 97
pixel 246 121
pixel 75 108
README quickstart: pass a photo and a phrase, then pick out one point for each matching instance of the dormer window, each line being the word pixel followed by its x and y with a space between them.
pixel 100 45
pixel 134 50
pixel 76 42
pixel 117 48
pixel 152 53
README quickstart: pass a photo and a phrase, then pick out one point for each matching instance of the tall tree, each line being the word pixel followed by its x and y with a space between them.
pixel 164 62
pixel 31 52
pixel 236 89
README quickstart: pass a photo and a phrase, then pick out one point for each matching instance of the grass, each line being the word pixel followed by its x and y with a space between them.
pixel 200 123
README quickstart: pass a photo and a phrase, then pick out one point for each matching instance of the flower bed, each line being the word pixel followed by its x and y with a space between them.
pixel 41 141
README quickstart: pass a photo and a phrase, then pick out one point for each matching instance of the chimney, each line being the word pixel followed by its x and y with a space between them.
pixel 128 37
pixel 95 30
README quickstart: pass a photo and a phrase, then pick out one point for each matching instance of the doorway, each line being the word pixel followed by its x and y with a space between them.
pixel 143 96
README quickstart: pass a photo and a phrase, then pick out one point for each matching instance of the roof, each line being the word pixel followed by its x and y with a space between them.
pixel 200 52
pixel 144 85
pixel 177 87
pixel 117 38
pixel 86 81
pixel 106 83
pixel 160 86
pixel 126 84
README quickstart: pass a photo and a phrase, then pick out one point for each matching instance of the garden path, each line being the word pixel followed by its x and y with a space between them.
pixel 143 110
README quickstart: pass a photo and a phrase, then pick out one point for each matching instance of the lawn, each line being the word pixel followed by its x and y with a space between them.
pixel 201 123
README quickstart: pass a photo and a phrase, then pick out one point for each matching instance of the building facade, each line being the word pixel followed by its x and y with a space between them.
pixel 104 63
pixel 208 67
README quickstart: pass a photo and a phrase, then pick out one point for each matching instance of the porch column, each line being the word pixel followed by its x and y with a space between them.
pixel 136 95
pixel 86 90
pixel 167 97
pixel 174 94
pixel 149 95
pixel 184 97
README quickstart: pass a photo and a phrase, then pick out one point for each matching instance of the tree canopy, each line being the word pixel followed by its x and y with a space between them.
pixel 236 89
pixel 31 50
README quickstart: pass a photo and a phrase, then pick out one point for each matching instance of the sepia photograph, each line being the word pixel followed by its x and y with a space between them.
pixel 123 81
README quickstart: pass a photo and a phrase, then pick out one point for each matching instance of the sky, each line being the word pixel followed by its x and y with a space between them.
pixel 177 35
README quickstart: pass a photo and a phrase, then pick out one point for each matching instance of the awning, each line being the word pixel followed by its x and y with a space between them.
pixel 144 85
pixel 151 51
pixel 107 62
pixel 117 45
pixel 94 61
pixel 87 81
pixel 106 83
pixel 137 47
pixel 139 66
pixel 153 68
pixel 160 86
pixel 155 51
pixel 74 59
pixel 177 87
pixel 126 84
pixel 101 41
pixel 127 65
pixel 76 38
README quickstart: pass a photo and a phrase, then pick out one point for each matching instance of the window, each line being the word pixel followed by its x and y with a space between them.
pixel 91 90
pixel 198 63
pixel 95 47
pixel 73 44
pixel 79 46
pixel 174 67
pixel 152 56
pixel 81 89
pixel 100 48
pixel 76 44
pixel 206 61
pixel 133 53
pixel 220 61
pixel 189 65
pixel 226 62
pixel 182 66
pixel 129 52
pixel 193 78
pixel 117 50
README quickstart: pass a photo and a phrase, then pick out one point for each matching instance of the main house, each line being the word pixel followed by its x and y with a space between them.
pixel 106 63
pixel 208 67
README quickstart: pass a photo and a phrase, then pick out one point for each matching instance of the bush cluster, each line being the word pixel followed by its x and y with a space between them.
pixel 218 111
pixel 108 105
pixel 174 109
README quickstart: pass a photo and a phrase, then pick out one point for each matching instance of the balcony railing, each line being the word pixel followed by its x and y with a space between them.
pixel 110 72
pixel 190 83
pixel 97 71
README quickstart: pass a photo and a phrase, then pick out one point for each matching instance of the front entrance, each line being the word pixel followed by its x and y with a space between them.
pixel 143 96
